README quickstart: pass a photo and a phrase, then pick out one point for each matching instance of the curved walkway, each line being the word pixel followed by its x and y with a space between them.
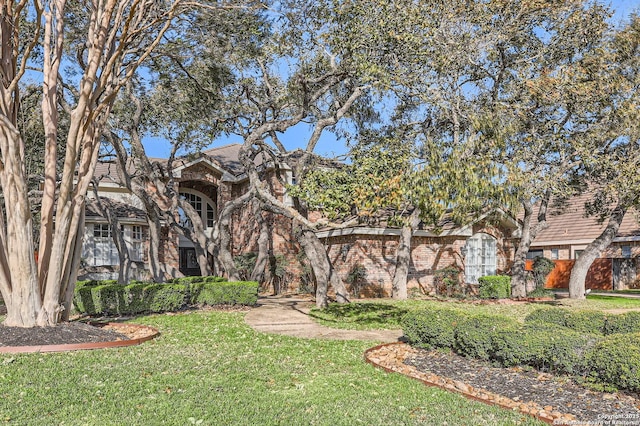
pixel 289 315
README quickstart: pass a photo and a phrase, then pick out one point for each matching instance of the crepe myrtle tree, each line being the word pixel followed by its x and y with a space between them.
pixel 104 42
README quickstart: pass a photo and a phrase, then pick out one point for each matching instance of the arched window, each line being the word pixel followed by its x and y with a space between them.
pixel 202 205
pixel 480 259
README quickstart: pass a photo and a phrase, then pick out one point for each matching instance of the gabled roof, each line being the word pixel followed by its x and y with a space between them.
pixel 569 224
pixel 122 210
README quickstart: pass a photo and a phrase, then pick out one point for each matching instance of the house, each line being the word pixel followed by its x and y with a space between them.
pixel 483 246
pixel 568 233
pixel 208 181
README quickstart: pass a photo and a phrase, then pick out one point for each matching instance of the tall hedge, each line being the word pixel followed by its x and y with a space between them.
pixel 97 298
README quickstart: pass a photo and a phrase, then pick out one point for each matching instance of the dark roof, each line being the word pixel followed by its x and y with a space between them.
pixel 122 210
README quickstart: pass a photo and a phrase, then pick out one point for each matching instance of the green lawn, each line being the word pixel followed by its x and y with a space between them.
pixel 386 313
pixel 210 368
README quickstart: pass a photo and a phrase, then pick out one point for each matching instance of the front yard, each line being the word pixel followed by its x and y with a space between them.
pixel 209 368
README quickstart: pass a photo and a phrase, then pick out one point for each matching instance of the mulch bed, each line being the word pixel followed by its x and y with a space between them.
pixel 554 394
pixel 65 333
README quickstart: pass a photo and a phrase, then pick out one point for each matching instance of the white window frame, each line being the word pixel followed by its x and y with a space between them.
pixel 136 247
pixel 104 250
pixel 481 257
pixel 205 207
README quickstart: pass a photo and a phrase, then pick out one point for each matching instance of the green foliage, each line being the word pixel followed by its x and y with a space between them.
pixel 615 359
pixel 164 297
pixel 114 299
pixel 628 322
pixel 578 320
pixel 370 315
pixel 430 328
pixel 512 346
pixel 494 287
pixel 108 298
pixel 356 278
pixel 542 267
pixel 245 263
pixel 229 293
pixel 474 335
pixel 541 293
pixel 447 281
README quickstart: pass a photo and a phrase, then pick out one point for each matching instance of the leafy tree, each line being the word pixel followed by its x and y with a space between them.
pixel 611 157
pixel 109 40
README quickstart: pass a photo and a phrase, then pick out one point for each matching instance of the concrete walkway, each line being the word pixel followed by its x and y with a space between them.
pixel 289 315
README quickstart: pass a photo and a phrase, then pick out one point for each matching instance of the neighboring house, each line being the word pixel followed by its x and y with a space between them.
pixel 484 246
pixel 569 232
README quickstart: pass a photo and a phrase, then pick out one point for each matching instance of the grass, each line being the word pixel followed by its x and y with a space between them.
pixel 386 313
pixel 210 368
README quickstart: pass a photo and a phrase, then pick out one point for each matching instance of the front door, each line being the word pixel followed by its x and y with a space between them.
pixel 189 262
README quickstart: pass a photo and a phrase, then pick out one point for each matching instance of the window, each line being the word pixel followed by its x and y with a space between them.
pixel 532 254
pixel 136 251
pixel 105 252
pixel 626 251
pixel 204 209
pixel 554 254
pixel 480 258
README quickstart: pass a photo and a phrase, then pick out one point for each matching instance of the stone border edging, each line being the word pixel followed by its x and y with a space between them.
pixel 153 333
pixel 377 355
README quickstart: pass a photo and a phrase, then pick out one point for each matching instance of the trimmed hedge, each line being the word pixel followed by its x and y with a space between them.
pixel 549 346
pixel 474 335
pixel 431 328
pixel 494 287
pixel 96 298
pixel 624 323
pixel 616 360
pixel 588 321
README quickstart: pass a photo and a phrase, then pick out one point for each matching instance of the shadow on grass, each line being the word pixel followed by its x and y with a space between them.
pixel 360 313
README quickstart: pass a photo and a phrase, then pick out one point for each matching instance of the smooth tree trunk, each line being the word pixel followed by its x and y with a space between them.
pixel 403 257
pixel 581 267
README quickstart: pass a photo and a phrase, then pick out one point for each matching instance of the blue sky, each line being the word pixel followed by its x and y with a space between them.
pixel 329 145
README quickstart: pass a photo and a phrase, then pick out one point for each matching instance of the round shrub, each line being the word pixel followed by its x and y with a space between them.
pixel 555 316
pixel 563 350
pixel 623 323
pixel 474 334
pixel 517 345
pixel 431 327
pixel 615 360
pixel 586 321
pixel 494 287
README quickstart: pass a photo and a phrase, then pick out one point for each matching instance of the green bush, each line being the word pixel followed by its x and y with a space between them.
pixel 494 287
pixel 513 345
pixel 542 267
pixel 82 298
pixel 555 316
pixel 586 321
pixel 134 298
pixel 582 321
pixel 92 298
pixel 232 293
pixel 615 360
pixel 565 351
pixel 108 299
pixel 473 336
pixel 164 297
pixel 431 327
pixel 623 323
